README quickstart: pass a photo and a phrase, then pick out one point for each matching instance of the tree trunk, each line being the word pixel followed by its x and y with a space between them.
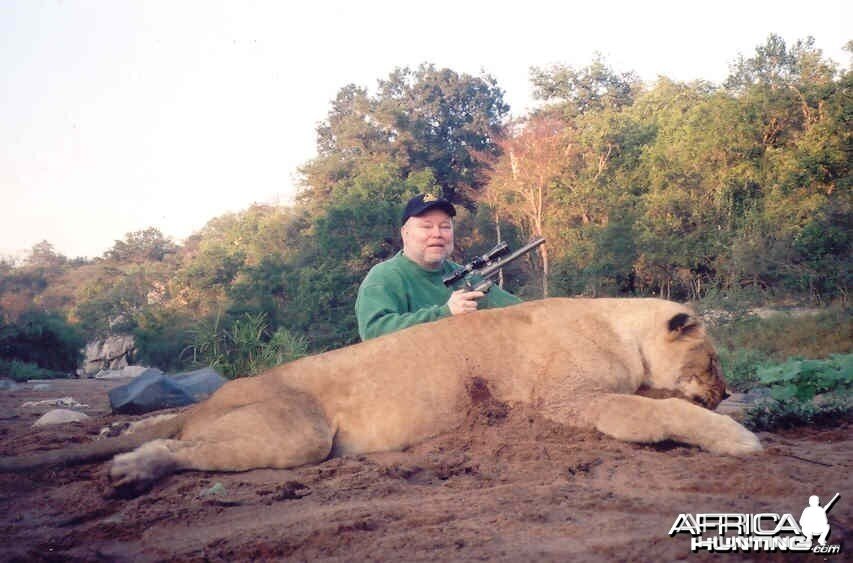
pixel 498 234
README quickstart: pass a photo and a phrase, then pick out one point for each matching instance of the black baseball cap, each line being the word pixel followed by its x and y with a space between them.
pixel 424 202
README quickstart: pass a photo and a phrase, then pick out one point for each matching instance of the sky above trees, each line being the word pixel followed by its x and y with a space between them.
pixel 123 115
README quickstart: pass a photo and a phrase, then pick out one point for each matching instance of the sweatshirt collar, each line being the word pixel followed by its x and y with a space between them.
pixel 419 267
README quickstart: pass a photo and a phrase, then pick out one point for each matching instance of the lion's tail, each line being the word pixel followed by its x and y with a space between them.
pixel 93 451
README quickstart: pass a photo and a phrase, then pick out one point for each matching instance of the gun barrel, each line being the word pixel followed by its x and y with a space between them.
pixel 828 505
pixel 490 271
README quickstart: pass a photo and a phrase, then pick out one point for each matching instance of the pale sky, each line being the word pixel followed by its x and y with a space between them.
pixel 119 115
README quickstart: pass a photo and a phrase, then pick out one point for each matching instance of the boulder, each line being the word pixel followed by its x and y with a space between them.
pixel 8 385
pixel 114 352
pixel 737 404
pixel 154 390
pixel 59 416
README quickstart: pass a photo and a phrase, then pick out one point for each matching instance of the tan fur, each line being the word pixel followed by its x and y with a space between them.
pixel 579 361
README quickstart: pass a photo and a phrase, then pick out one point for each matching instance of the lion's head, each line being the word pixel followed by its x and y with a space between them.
pixel 683 361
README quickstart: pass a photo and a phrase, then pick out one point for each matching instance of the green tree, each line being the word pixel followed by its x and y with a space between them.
pixel 43 254
pixel 358 229
pixel 797 105
pixel 42 338
pixel 112 302
pixel 239 258
pixel 590 89
pixel 148 245
pixel 426 119
pixel 524 179
pixel 597 180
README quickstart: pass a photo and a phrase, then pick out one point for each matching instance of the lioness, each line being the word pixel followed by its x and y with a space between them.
pixel 579 361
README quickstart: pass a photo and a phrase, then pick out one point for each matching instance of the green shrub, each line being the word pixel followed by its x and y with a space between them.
pixel 772 415
pixel 160 338
pixel 23 371
pixel 741 367
pixel 283 347
pixel 804 392
pixel 748 343
pixel 803 379
pixel 162 349
pixel 43 339
pixel 246 347
pixel 784 335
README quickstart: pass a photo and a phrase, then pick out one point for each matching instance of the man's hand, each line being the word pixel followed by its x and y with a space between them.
pixel 463 301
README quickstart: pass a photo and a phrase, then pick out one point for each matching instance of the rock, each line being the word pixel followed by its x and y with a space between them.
pixel 738 403
pixel 8 385
pixel 114 352
pixel 217 489
pixel 41 387
pixel 63 402
pixel 756 394
pixel 153 390
pixel 59 416
pixel 200 383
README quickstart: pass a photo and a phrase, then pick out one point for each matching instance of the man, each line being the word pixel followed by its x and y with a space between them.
pixel 408 288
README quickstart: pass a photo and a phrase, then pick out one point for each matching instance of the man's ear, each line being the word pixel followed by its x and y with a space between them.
pixel 682 324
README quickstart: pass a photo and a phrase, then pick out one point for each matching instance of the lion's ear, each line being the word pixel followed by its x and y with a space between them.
pixel 682 324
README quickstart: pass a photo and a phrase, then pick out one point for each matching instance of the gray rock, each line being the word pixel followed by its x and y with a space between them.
pixel 59 416
pixel 154 390
pixel 218 489
pixel 756 394
pixel 62 402
pixel 114 352
pixel 8 385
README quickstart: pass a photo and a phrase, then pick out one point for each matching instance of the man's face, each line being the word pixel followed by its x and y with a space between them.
pixel 428 238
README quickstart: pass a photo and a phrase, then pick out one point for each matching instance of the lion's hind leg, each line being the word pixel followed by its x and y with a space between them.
pixel 276 433
pixel 639 419
pixel 145 464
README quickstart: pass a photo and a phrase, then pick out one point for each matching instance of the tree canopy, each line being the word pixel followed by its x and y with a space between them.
pixel 674 189
pixel 423 120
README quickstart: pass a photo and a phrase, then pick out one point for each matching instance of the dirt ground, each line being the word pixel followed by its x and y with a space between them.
pixel 507 486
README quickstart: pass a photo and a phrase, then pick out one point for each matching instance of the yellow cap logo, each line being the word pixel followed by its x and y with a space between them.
pixel 429 197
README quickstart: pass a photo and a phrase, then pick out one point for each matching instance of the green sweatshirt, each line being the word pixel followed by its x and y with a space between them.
pixel 398 293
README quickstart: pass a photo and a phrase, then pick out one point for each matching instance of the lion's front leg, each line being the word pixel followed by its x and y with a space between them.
pixel 640 419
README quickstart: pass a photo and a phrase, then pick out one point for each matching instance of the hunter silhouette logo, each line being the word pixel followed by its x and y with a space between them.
pixel 814 522
pixel 767 531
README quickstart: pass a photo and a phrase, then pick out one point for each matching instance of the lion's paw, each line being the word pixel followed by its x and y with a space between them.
pixel 125 470
pixel 730 438
pixel 141 466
